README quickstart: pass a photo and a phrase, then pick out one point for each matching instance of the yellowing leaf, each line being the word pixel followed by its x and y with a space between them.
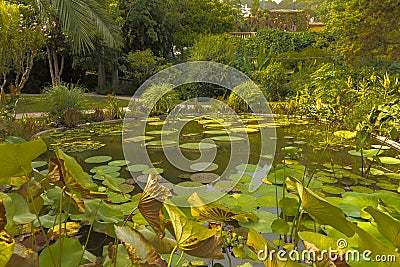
pixel 3 218
pixel 16 158
pixel 7 244
pixel 151 202
pixel 140 251
pixel 67 229
pixel 216 212
pixel 193 238
pixel 65 171
pixel 387 226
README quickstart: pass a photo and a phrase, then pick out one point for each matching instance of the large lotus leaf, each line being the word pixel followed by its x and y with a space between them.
pixel 65 171
pixel 7 244
pixel 387 226
pixel 16 158
pixel 257 243
pixel 323 211
pixel 151 201
pixel 368 242
pixel 102 211
pixel 67 251
pixel 193 238
pixel 20 211
pixel 141 252
pixel 322 242
pixel 214 211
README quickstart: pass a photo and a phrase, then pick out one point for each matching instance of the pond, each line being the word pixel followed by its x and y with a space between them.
pixel 318 154
pixel 305 147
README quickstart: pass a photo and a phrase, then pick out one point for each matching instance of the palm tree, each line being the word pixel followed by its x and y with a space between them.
pixel 80 21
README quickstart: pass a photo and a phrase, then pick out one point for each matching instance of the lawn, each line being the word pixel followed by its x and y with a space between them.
pixel 35 103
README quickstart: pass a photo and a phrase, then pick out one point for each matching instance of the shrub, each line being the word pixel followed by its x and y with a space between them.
pixel 164 104
pixel 64 97
pixel 251 96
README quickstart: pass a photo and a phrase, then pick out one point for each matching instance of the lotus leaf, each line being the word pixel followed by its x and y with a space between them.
pixel 98 159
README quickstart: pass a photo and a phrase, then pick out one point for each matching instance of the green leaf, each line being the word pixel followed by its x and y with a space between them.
pixel 322 242
pixel 289 206
pixel 387 226
pixel 67 251
pixel 323 211
pixel 139 249
pixel 265 219
pixel 98 159
pixel 280 227
pixel 345 134
pixel 389 160
pixel 16 158
pixel 198 146
pixel 20 210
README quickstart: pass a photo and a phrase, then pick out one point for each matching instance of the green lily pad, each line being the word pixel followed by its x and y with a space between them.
pixel 265 220
pixel 153 170
pixel 139 138
pixel 156 123
pixel 291 149
pixel 98 159
pixel 227 138
pixel 333 189
pixel 374 171
pixel 98 176
pixel 382 147
pixel 188 188
pixel 240 177
pixel 388 186
pixel 216 132
pixel 105 168
pixel 392 175
pixel 204 177
pixel 137 168
pixel 345 134
pixel 244 130
pixel 248 168
pixel 228 185
pixel 389 160
pixel 326 179
pixel 160 143
pixel 361 189
pixel 204 166
pixel 366 152
pixel 160 132
pixel 119 163
pixel 198 146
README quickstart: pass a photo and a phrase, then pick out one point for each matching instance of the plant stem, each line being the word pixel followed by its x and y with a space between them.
pixel 171 256
pixel 225 247
pixel 179 260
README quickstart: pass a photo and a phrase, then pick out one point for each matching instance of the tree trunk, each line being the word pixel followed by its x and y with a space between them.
pixel 56 68
pixel 101 71
pixel 114 79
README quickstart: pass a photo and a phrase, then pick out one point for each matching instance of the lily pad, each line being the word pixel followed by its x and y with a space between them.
pixel 382 147
pixel 228 185
pixel 248 168
pixel 98 159
pixel 160 143
pixel 198 146
pixel 365 152
pixel 204 166
pixel 361 189
pixel 388 186
pixel 244 130
pixel 139 138
pixel 160 132
pixel 137 168
pixel 227 138
pixel 119 163
pixel 240 177
pixel 204 177
pixel 153 170
pixel 291 149
pixel 345 134
pixel 188 188
pixel 389 160
pixel 216 132
pixel 333 189
pixel 105 168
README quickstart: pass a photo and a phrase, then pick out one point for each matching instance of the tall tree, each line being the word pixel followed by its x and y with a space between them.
pixel 79 22
pixel 366 29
